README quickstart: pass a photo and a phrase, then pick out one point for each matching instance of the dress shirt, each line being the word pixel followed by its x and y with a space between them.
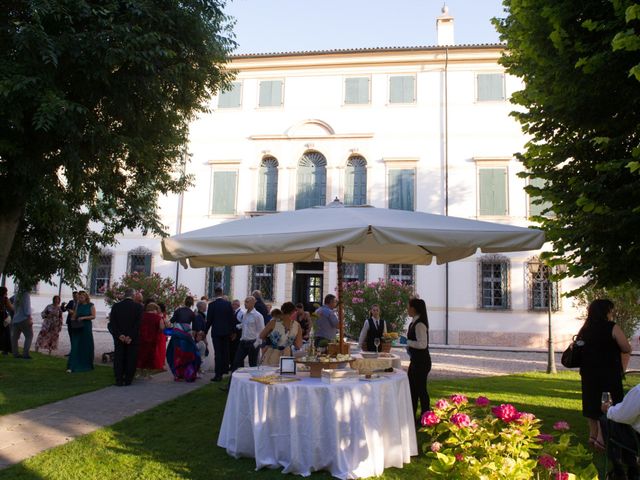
pixel 326 323
pixel 22 306
pixel 627 411
pixel 422 338
pixel 362 340
pixel 251 323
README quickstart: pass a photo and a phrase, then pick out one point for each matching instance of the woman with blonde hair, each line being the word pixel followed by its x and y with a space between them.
pixel 81 355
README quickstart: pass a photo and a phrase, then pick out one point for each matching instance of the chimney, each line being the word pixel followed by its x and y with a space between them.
pixel 444 27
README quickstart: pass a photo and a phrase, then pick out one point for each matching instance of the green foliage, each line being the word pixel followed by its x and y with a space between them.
pixel 358 297
pixel 580 107
pixel 480 442
pixel 153 286
pixel 625 297
pixel 95 103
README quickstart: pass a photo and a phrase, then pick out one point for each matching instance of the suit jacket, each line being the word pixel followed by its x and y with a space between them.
pixel 220 318
pixel 125 319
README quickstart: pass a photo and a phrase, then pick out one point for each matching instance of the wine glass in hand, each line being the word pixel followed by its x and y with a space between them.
pixel 376 342
pixel 606 397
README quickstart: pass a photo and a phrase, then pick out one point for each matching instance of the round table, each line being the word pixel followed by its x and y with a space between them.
pixel 352 428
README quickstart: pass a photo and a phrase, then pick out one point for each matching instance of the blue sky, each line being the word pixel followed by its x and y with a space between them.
pixel 295 25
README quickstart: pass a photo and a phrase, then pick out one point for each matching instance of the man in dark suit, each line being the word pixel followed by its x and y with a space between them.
pixel 221 320
pixel 124 325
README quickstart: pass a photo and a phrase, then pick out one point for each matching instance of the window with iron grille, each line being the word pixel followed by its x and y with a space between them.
pixel 538 288
pixel 353 272
pixel 262 279
pixel 401 272
pixel 140 261
pixel 494 283
pixel 218 277
pixel 100 273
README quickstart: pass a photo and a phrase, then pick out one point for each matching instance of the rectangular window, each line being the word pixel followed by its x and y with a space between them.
pixel 536 209
pixel 356 91
pixel 401 272
pixel 262 279
pixel 490 87
pixel 223 199
pixel 140 262
pixel 402 89
pixel 492 191
pixel 494 285
pixel 100 274
pixel 231 97
pixel 354 272
pixel 218 277
pixel 401 189
pixel 270 93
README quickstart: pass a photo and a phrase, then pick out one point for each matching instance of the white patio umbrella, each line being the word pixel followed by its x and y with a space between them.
pixel 335 233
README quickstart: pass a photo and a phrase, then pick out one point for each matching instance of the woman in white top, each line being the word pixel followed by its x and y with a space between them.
pixel 281 333
pixel 418 348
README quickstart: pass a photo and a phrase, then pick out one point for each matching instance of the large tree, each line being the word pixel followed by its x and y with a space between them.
pixel 96 98
pixel 582 112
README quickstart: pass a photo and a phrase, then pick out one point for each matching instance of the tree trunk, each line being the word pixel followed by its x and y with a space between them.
pixel 9 221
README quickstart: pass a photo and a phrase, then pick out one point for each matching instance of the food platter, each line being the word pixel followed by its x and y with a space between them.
pixel 317 364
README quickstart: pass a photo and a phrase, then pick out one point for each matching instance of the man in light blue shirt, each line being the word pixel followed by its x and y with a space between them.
pixel 327 322
pixel 22 323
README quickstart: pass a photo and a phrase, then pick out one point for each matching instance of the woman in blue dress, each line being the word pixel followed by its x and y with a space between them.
pixel 81 355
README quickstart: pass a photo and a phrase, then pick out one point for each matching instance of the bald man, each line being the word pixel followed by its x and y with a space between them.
pixel 251 324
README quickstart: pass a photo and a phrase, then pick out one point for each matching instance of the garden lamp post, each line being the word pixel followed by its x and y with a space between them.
pixel 543 273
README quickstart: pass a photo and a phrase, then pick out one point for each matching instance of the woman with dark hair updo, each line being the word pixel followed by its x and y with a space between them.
pixel 601 369
pixel 281 334
pixel 418 348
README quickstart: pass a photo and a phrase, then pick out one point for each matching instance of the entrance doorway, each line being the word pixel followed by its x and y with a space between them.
pixel 308 282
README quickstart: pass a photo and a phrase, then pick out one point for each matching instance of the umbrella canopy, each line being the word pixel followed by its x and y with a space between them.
pixel 366 235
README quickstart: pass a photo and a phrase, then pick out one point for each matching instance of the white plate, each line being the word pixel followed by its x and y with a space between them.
pixel 369 354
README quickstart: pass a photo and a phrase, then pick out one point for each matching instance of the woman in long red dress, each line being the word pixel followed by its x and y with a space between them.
pixel 150 328
pixel 161 345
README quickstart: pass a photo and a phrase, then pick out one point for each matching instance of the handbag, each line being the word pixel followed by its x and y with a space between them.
pixel 572 356
pixel 76 323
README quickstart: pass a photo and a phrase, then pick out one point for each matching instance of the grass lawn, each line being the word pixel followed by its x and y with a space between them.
pixel 178 439
pixel 30 383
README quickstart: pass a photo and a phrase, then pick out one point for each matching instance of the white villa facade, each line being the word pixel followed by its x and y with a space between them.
pixel 420 128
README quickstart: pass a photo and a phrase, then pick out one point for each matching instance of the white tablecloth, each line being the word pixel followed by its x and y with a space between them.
pixel 352 429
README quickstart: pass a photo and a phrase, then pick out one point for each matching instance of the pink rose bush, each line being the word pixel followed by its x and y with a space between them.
pixel 161 289
pixel 467 440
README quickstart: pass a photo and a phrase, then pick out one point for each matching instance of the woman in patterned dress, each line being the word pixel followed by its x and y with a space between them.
pixel 51 326
pixel 281 334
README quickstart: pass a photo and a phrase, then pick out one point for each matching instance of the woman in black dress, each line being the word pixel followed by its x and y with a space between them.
pixel 418 348
pixel 601 369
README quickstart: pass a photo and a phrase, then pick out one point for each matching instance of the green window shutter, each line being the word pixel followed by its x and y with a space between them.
pixel 226 284
pixel 492 183
pixel 224 193
pixel 490 87
pixel 401 189
pixel 537 209
pixel 304 193
pixel 231 98
pixel 147 265
pixel 349 177
pixel 361 267
pixel 402 89
pixel 268 189
pixel 270 93
pixel 94 277
pixel 356 91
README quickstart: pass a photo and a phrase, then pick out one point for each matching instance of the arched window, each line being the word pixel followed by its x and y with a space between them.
pixel 355 188
pixel 268 185
pixel 312 180
pixel 100 273
pixel 140 261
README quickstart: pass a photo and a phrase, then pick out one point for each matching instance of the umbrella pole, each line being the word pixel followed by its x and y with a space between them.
pixel 340 251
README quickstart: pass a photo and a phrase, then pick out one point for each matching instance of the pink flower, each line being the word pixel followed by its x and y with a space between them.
pixel 482 401
pixel 526 417
pixel 436 446
pixel 544 438
pixel 458 399
pixel 561 425
pixel 441 404
pixel 562 475
pixel 459 457
pixel 357 300
pixel 547 461
pixel 461 420
pixel 506 412
pixel 429 419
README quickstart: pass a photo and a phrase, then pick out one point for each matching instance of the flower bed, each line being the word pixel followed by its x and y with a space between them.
pixel 480 441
